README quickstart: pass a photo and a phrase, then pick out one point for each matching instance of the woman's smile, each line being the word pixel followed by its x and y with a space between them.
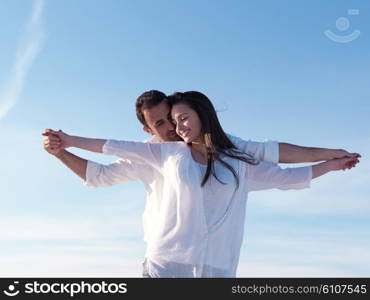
pixel 185 133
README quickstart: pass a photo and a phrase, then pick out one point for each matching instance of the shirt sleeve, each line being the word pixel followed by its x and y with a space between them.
pixel 267 175
pixel 149 153
pixel 121 171
pixel 263 151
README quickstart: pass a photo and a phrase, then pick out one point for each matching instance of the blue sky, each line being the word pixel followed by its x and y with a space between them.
pixel 270 71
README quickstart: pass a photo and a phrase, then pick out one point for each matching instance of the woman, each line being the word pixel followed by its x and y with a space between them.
pixel 199 223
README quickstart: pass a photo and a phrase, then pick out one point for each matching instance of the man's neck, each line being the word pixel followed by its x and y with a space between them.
pixel 155 139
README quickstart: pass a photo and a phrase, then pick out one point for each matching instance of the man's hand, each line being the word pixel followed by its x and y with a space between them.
pixel 51 142
pixel 336 164
pixel 55 141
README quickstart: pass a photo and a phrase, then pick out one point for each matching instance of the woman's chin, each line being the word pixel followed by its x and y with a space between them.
pixel 187 139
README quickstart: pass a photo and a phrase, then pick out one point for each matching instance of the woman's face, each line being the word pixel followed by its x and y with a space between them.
pixel 187 122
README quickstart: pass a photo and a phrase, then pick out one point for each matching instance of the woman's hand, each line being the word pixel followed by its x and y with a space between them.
pixel 343 163
pixel 340 153
pixel 56 140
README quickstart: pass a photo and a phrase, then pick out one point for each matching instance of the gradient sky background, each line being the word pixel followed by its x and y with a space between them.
pixel 268 68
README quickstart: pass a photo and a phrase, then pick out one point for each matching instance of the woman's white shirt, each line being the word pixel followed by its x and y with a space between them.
pixel 124 170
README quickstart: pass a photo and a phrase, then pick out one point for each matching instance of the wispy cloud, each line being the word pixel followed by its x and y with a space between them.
pixel 43 263
pixel 337 193
pixel 70 247
pixel 28 49
pixel 38 228
pixel 302 256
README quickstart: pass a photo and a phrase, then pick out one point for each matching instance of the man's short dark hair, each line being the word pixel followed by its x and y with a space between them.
pixel 148 100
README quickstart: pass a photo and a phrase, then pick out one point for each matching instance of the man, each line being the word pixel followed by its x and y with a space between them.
pixel 153 111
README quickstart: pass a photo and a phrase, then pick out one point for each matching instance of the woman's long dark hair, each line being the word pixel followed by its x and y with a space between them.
pixel 216 140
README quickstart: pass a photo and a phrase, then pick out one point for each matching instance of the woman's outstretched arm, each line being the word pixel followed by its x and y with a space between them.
pixel 135 151
pixel 289 153
pixel 66 140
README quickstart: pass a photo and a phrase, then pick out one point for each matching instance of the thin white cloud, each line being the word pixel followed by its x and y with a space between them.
pixel 71 247
pixel 253 269
pixel 45 264
pixel 37 228
pixel 278 256
pixel 28 49
pixel 336 193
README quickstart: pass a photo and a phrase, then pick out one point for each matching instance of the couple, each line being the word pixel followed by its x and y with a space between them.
pixel 197 179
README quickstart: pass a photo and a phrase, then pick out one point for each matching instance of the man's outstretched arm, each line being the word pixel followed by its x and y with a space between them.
pixel 289 153
pixel 77 164
pixel 95 174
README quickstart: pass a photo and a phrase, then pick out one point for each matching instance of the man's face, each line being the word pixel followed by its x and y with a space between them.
pixel 157 119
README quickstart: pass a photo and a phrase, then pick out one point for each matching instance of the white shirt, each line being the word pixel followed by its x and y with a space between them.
pixel 124 171
pixel 193 231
